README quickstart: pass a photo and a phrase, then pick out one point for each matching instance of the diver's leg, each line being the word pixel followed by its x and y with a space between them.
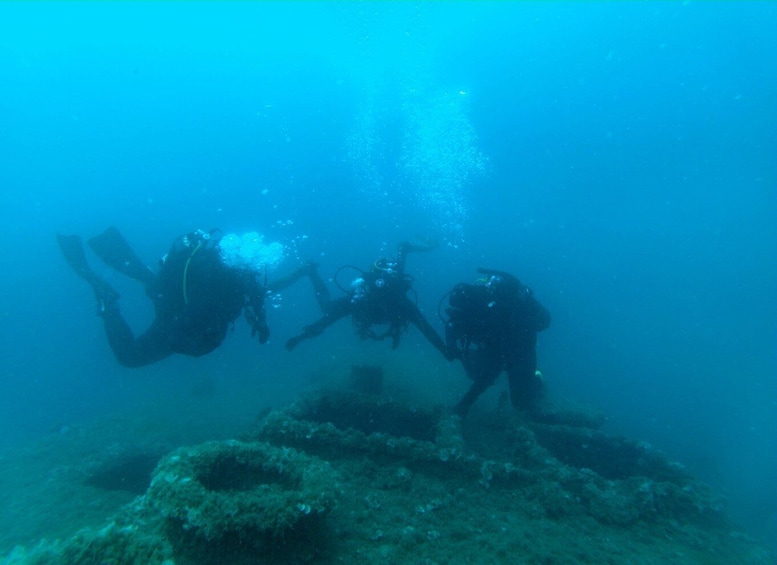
pixel 151 346
pixel 526 387
pixel 483 369
pixel 477 388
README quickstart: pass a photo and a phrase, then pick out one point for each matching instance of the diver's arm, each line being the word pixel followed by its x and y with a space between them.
pixel 406 247
pixel 337 309
pixel 285 282
pixel 414 315
pixel 309 269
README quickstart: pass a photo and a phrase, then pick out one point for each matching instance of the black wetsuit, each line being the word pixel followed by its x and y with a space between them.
pixel 196 296
pixel 495 326
pixel 381 298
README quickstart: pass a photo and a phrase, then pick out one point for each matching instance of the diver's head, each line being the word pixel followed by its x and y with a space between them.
pixel 200 237
pixel 386 266
pixel 460 296
pixel 383 274
pixel 494 282
pixel 506 289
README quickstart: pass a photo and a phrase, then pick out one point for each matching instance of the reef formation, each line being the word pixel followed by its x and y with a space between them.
pixel 351 477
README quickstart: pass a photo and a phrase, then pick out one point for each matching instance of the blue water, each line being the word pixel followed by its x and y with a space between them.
pixel 618 157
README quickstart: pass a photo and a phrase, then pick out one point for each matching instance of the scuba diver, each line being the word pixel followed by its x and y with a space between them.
pixel 197 295
pixel 493 327
pixel 378 297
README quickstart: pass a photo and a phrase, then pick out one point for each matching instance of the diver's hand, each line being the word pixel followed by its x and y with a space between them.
pixel 262 330
pixel 258 324
pixel 292 342
pixel 308 268
pixel 453 353
pixel 264 333
pixel 308 332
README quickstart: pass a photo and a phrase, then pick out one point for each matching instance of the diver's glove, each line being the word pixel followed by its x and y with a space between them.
pixel 308 332
pixel 308 268
pixel 294 341
pixel 453 353
pixel 262 330
pixel 258 325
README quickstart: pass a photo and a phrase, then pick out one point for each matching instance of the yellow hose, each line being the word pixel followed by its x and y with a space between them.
pixel 186 272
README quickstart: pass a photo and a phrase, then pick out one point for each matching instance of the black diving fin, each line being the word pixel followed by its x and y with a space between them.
pixel 74 254
pixel 111 247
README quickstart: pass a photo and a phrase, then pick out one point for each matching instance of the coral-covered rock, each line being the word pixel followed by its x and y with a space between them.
pixel 240 489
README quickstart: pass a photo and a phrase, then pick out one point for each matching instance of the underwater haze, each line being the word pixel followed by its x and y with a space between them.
pixel 620 158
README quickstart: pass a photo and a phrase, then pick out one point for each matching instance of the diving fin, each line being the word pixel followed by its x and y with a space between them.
pixel 74 254
pixel 111 247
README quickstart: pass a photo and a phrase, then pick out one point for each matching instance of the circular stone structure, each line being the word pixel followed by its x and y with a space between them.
pixel 233 488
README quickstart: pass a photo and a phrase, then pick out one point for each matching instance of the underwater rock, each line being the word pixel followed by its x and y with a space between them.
pixel 328 440
pixel 344 477
pixel 251 491
pixel 612 457
pixel 621 480
pixel 615 480
pixel 569 414
pixel 367 413
pixel 117 544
